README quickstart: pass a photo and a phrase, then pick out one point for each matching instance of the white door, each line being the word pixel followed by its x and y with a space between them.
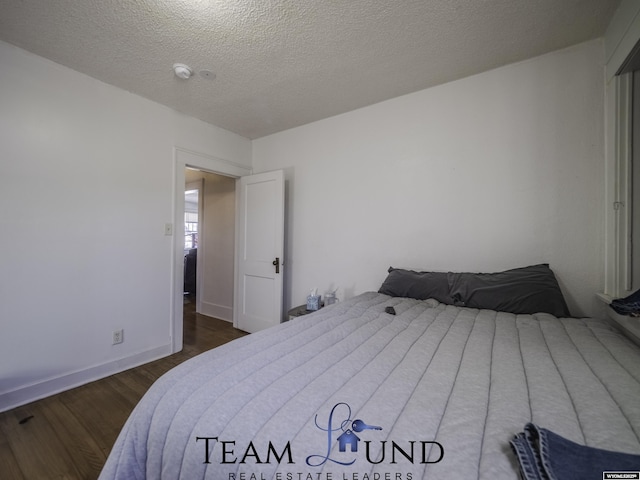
pixel 259 251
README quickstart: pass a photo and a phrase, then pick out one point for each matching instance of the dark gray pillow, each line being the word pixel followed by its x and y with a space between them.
pixel 531 289
pixel 527 290
pixel 418 285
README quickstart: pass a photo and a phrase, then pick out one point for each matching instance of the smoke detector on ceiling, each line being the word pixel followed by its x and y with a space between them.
pixel 182 71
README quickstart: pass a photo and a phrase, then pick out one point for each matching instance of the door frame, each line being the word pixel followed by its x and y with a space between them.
pixel 183 158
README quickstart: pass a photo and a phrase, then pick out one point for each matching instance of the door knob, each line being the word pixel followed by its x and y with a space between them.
pixel 276 263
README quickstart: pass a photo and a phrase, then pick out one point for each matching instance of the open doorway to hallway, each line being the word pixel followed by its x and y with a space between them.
pixel 192 217
pixel 209 258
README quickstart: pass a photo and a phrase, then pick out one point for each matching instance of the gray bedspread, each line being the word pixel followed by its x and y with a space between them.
pixel 442 388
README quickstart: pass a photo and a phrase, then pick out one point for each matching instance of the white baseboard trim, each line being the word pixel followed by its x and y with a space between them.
pixel 218 311
pixel 46 388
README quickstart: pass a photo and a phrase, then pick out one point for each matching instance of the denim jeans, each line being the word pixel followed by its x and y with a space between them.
pixel 544 455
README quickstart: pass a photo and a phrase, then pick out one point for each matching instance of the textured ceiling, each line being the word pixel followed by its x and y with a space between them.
pixel 284 63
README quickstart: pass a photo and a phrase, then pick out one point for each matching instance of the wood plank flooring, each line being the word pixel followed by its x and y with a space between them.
pixel 69 436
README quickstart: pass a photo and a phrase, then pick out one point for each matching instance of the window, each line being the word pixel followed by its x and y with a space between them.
pixel 190 219
pixel 190 230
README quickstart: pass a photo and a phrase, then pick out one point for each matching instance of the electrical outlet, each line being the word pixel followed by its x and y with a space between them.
pixel 118 336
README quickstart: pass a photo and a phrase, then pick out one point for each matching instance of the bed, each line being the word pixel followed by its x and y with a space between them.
pixel 385 386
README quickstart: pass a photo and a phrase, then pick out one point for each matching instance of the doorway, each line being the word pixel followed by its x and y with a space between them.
pixel 193 213
pixel 209 228
pixel 199 162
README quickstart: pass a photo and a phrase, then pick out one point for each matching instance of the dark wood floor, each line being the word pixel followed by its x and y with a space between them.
pixel 69 436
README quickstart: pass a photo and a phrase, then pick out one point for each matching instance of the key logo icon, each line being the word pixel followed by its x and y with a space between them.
pixel 358 426
pixel 347 441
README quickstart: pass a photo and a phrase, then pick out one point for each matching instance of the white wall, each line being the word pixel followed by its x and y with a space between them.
pixel 86 186
pixel 494 171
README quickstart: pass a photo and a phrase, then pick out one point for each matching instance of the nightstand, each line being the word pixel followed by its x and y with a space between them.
pixel 630 326
pixel 299 311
